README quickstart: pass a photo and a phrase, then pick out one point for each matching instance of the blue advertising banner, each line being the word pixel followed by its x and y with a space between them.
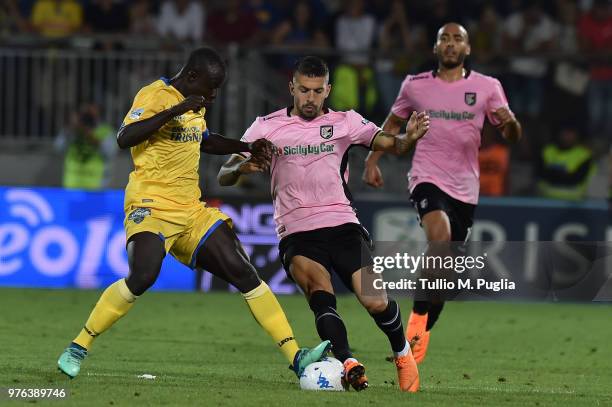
pixel 53 238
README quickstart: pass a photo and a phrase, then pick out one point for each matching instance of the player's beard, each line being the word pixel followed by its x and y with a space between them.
pixel 309 114
pixel 452 64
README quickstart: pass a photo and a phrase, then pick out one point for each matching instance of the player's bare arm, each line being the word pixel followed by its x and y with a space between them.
pixel 417 126
pixel 372 174
pixel 137 132
pixel 216 144
pixel 390 141
pixel 238 165
pixel 508 125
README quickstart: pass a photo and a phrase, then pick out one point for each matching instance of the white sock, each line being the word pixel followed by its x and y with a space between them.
pixel 403 352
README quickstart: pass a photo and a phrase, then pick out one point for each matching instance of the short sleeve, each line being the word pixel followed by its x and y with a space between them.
pixel 145 105
pixel 402 107
pixel 361 131
pixel 496 99
pixel 253 133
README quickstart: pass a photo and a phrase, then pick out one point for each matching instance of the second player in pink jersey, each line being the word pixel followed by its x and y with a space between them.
pixel 444 178
pixel 319 230
pixel 448 155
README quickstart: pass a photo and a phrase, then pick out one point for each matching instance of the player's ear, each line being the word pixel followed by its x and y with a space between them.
pixel 291 88
pixel 468 50
pixel 327 90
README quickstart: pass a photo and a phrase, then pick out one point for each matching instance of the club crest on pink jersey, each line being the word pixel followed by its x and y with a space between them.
pixel 470 98
pixel 327 132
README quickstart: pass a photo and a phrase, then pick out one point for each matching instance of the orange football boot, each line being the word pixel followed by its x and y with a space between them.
pixel 354 374
pixel 407 373
pixel 417 336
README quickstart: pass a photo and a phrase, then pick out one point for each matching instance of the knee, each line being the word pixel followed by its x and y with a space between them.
pixel 247 281
pixel 375 305
pixel 140 282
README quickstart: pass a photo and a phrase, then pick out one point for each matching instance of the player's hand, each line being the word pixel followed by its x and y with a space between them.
pixel 192 102
pixel 262 150
pixel 417 126
pixel 503 116
pixel 372 176
pixel 251 165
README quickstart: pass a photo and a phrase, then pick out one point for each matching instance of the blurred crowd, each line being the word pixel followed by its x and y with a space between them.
pixel 554 57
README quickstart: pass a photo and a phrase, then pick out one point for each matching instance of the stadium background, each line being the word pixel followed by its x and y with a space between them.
pixel 69 67
pixel 92 57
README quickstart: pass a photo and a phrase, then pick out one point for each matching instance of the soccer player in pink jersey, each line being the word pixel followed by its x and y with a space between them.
pixel 315 220
pixel 444 178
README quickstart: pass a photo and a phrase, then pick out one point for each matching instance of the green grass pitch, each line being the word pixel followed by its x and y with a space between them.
pixel 205 349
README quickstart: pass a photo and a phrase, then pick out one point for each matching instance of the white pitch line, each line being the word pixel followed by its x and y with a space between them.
pixel 491 389
pixel 99 374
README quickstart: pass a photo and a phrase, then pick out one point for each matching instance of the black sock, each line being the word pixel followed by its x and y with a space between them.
pixel 390 322
pixel 329 324
pixel 420 307
pixel 434 312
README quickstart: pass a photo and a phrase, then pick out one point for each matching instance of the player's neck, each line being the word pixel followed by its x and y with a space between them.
pixel 451 74
pixel 178 84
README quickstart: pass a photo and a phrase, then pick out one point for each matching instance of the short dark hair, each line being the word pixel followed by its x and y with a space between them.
pixel 311 66
pixel 205 59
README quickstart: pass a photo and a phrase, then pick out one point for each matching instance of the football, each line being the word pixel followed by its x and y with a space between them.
pixel 326 375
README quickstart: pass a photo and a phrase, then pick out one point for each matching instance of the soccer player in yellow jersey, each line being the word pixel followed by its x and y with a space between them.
pixel 166 131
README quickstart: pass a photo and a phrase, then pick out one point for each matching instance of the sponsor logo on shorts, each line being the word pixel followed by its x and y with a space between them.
pixel 138 214
pixel 424 203
pixel 326 132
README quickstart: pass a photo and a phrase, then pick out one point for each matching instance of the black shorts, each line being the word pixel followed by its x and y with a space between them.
pixel 427 197
pixel 343 249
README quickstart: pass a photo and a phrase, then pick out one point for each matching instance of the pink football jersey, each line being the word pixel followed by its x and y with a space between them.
pixel 447 155
pixel 309 176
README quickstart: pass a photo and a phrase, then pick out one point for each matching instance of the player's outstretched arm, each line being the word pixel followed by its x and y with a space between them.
pixel 238 165
pixel 417 126
pixel 216 144
pixel 509 126
pixel 137 132
pixel 372 174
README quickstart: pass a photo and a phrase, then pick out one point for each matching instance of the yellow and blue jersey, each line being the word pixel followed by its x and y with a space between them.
pixel 165 165
pixel 163 194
